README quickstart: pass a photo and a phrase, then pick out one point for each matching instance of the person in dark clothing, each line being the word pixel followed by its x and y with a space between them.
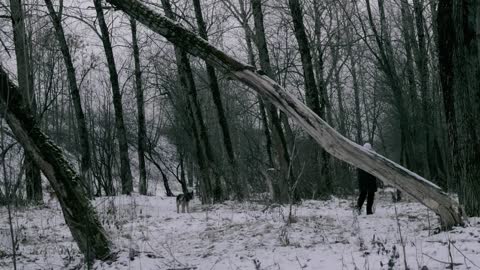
pixel 367 185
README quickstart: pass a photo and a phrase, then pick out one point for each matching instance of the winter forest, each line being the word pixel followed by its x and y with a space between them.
pixel 239 134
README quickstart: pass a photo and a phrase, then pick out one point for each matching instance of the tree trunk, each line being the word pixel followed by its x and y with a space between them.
pixel 33 178
pixel 75 94
pixel 77 210
pixel 321 158
pixel 237 187
pixel 261 104
pixel 409 45
pixel 385 61
pixel 311 91
pixel 336 58
pixel 183 179
pixel 324 158
pixel 391 173
pixel 168 191
pixel 125 173
pixel 204 149
pixel 142 130
pixel 441 150
pixel 279 142
pixel 422 65
pixel 467 84
pixel 356 88
pixel 446 41
pixel 319 63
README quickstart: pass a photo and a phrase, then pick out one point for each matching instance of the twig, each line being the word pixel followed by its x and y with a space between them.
pixel 428 220
pixel 450 252
pixel 299 263
pixel 211 268
pixel 8 196
pixel 12 235
pixel 401 238
pixel 449 263
pixel 465 256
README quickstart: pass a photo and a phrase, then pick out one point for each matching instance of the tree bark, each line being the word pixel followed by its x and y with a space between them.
pixel 125 173
pixel 391 173
pixel 467 84
pixel 446 40
pixel 75 94
pixel 79 214
pixel 33 178
pixel 142 130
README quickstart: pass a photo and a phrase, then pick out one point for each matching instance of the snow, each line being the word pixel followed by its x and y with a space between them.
pixel 149 234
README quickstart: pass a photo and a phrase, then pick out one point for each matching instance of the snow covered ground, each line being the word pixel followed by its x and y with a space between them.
pixel 149 234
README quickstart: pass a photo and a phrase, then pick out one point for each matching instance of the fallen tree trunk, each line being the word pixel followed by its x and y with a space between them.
pixel 342 148
pixel 78 212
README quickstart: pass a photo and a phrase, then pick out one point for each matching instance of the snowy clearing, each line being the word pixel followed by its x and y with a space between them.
pixel 149 234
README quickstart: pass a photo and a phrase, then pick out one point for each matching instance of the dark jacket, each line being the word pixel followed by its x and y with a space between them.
pixel 366 181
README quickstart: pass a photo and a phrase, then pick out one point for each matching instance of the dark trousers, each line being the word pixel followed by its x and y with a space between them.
pixel 370 196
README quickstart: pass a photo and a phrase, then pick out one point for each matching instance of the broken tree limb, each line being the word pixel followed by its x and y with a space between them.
pixel 333 142
pixel 78 212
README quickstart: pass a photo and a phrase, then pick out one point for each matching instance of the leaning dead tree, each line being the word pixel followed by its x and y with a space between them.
pixel 77 210
pixel 333 142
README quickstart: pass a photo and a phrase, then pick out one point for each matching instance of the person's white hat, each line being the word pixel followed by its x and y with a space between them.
pixel 367 146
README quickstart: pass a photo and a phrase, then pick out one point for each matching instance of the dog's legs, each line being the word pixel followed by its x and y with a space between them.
pixel 183 207
pixel 178 207
pixel 188 207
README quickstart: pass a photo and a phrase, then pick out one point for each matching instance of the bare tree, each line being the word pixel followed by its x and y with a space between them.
pixel 78 212
pixel 75 94
pixel 279 142
pixel 125 173
pixel 311 91
pixel 26 85
pixel 460 83
pixel 204 150
pixel 238 188
pixel 142 130
pixel 385 58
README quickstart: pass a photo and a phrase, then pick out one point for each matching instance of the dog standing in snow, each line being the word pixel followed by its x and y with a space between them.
pixel 183 200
